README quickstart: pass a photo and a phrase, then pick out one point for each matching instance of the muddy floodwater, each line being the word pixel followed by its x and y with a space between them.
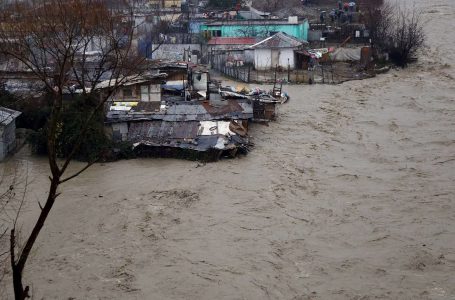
pixel 350 194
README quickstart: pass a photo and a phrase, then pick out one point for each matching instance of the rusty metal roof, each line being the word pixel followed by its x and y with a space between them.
pixel 183 135
pixel 147 106
pixel 162 132
pixel 131 80
pixel 187 111
pixel 232 41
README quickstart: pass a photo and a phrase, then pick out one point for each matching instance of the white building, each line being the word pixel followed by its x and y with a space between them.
pixel 7 131
pixel 276 51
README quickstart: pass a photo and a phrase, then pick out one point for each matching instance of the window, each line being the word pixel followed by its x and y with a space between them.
pixel 216 32
pixel 127 92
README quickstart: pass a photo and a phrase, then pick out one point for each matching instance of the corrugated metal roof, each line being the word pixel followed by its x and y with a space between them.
pixel 187 111
pixel 185 135
pixel 250 15
pixel 278 40
pixel 8 115
pixel 130 80
pixel 232 41
pixel 162 132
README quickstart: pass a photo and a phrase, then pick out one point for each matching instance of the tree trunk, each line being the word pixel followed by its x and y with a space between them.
pixel 19 292
pixel 18 266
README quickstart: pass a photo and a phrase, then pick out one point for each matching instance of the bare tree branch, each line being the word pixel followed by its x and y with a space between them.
pixel 51 38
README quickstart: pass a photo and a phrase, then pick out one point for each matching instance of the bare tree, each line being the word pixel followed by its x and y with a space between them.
pixel 379 20
pixel 256 28
pixel 407 35
pixel 14 182
pixel 65 43
pixel 396 30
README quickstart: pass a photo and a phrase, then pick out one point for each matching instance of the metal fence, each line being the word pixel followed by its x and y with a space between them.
pixel 246 72
pixel 323 72
pixel 238 72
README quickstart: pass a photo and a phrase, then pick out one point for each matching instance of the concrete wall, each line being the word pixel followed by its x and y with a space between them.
pixel 249 56
pixel 266 59
pixel 200 81
pixel 263 59
pixel 286 57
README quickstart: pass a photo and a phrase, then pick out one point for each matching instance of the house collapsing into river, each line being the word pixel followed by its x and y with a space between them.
pixel 177 111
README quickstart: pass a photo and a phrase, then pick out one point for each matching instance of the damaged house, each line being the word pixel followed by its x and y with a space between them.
pixel 165 115
pixel 177 118
pixel 132 90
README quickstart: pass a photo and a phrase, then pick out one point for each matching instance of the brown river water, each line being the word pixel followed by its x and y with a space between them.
pixel 350 194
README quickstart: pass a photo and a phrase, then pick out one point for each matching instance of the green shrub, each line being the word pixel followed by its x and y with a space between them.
pixel 35 111
pixel 94 144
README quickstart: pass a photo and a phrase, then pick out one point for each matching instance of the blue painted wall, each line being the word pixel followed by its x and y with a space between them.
pixel 195 26
pixel 299 31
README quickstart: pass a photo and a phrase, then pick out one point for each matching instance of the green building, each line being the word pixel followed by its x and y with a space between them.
pixel 256 28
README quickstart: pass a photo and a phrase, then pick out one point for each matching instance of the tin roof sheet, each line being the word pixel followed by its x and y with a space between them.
pixel 278 40
pixel 232 41
pixel 8 115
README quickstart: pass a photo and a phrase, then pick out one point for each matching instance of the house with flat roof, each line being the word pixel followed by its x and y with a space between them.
pixel 256 28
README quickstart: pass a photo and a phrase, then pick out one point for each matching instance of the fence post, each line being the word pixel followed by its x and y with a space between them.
pixel 289 71
pixel 323 77
pixel 276 69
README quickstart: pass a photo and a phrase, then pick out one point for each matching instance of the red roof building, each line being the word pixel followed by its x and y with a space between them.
pixel 232 41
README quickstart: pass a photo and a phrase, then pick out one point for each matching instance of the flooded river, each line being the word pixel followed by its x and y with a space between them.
pixel 349 195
